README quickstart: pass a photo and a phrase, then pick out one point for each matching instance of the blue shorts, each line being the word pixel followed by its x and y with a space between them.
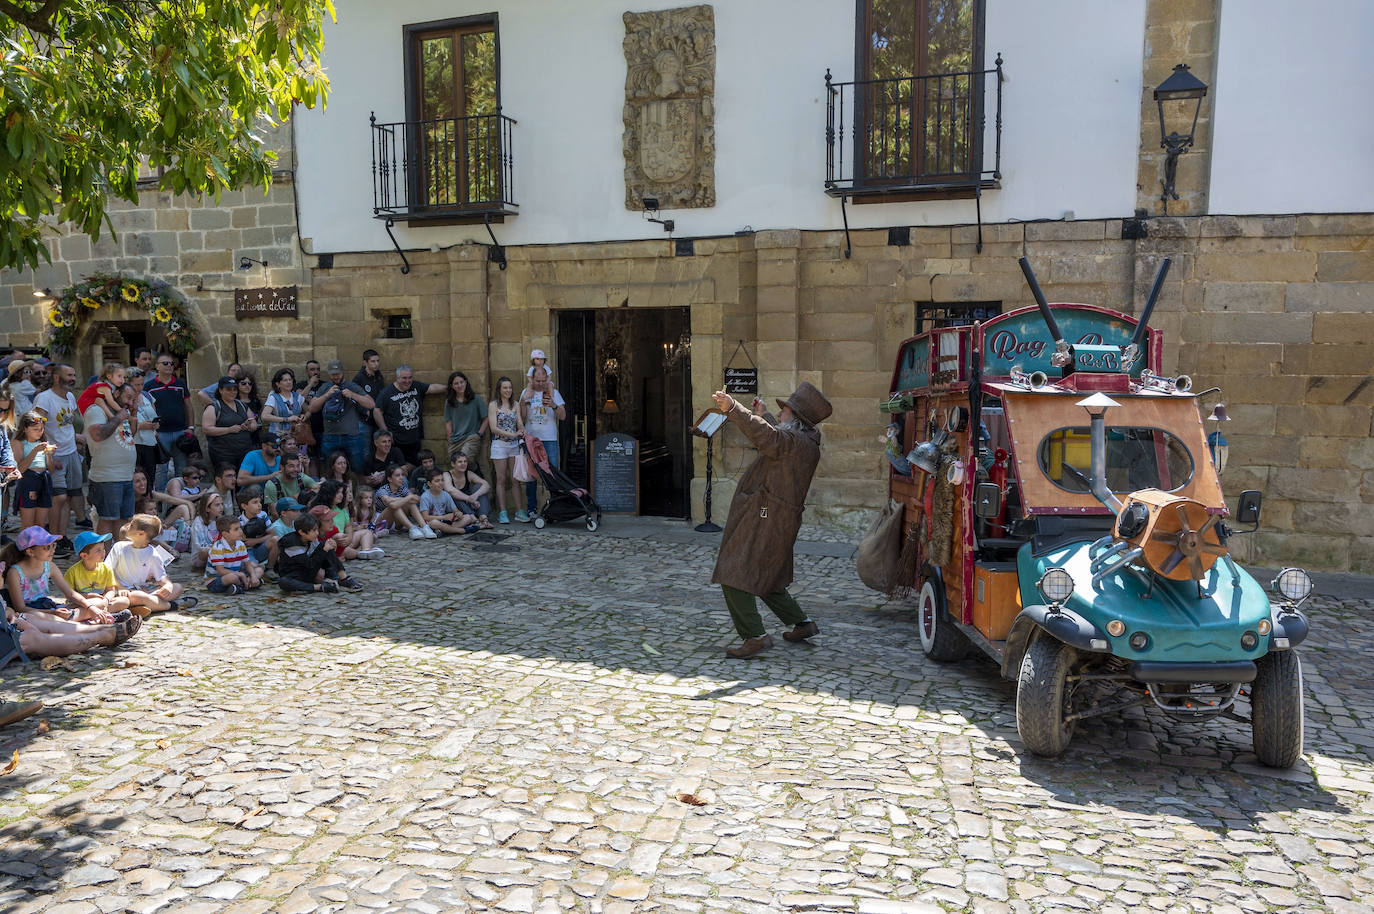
pixel 259 552
pixel 113 500
pixel 35 489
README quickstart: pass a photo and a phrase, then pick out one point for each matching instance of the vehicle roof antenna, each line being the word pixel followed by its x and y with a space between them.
pixel 1131 353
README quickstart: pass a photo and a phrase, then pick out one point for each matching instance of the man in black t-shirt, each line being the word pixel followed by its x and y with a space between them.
pixel 400 410
pixel 384 456
pixel 372 381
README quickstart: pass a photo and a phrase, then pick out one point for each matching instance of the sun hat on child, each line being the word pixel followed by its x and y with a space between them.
pixel 35 536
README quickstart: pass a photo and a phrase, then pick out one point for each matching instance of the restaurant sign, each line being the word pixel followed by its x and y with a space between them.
pixel 278 302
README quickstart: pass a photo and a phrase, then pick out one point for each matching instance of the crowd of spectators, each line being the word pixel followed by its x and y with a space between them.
pixel 107 483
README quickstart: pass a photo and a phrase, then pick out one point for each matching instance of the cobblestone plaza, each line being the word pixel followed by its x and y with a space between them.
pixel 557 729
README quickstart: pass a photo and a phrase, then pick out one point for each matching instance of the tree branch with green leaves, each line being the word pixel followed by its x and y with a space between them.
pixel 90 91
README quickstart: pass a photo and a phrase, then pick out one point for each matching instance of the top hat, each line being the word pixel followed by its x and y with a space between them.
pixel 808 404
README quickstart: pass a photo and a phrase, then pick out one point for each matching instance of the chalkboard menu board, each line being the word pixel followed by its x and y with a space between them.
pixel 615 474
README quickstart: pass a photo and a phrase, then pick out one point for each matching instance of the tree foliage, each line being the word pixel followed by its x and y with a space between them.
pixel 90 91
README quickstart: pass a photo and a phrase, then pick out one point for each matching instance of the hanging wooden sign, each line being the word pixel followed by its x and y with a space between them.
pixel 278 302
pixel 741 380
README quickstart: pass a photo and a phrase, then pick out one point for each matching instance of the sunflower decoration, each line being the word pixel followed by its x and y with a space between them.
pixel 162 304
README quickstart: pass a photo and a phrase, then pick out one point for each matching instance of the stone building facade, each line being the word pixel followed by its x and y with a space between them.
pixel 1276 310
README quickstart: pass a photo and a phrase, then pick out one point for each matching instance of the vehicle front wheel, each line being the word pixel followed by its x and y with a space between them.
pixel 593 523
pixel 539 522
pixel 940 640
pixel 1043 697
pixel 1276 715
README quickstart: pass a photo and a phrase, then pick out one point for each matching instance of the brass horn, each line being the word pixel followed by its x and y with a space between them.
pixel 1037 380
pixel 1183 383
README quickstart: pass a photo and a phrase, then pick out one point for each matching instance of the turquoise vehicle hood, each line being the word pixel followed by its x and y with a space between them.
pixel 1182 627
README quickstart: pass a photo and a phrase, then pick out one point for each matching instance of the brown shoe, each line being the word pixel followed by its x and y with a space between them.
pixel 12 711
pixel 751 647
pixel 803 631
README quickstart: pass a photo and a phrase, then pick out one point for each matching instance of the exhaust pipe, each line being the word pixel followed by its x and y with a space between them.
pixel 1131 353
pixel 1061 355
pixel 1097 406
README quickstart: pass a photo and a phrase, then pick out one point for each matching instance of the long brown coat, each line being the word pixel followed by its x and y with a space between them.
pixel 766 512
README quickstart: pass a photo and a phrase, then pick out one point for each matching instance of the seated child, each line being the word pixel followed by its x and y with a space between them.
pixel 230 570
pixel 91 577
pixel 27 567
pixel 203 530
pixel 307 565
pixel 419 477
pixel 402 507
pixel 354 541
pixel 139 571
pixel 288 509
pixel 366 515
pixel 440 512
pixel 255 522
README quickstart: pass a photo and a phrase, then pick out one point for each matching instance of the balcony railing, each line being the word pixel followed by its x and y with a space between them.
pixel 913 134
pixel 444 168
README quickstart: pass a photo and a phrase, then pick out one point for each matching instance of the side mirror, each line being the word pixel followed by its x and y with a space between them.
pixel 987 500
pixel 1248 511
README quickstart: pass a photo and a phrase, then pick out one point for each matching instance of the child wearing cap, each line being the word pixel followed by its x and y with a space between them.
pixel 91 577
pixel 27 566
pixel 288 509
pixel 537 360
pixel 30 578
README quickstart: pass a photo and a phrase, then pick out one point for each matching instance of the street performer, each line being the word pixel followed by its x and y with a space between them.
pixel 765 514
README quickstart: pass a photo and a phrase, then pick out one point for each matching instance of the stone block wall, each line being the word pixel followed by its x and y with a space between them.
pixel 195 244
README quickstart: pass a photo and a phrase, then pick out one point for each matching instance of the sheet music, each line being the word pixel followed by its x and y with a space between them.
pixel 710 423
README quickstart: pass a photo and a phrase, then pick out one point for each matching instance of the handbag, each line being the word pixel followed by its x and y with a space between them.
pixel 879 552
pixel 523 470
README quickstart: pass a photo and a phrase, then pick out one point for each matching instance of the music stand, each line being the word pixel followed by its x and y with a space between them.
pixel 706 427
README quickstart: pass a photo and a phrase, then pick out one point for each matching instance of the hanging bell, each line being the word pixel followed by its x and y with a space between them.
pixel 925 456
pixel 1219 413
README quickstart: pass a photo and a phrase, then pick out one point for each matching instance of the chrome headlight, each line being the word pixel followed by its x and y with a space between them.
pixel 1293 584
pixel 1055 585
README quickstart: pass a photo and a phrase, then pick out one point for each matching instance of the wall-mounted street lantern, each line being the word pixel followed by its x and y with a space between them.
pixel 1180 90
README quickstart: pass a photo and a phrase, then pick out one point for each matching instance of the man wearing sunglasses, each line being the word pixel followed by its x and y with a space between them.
pixel 172 400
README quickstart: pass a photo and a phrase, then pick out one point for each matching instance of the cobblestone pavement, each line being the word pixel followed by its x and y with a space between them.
pixel 556 729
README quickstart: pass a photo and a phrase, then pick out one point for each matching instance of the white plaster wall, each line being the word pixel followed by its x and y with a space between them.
pixel 1294 124
pixel 1070 131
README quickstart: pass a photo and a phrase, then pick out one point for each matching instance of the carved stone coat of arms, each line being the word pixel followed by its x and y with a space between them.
pixel 669 142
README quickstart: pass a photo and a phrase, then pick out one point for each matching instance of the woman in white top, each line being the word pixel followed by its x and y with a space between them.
pixel 284 409
pixel 503 416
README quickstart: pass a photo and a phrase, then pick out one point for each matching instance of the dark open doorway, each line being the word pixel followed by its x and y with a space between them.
pixel 628 370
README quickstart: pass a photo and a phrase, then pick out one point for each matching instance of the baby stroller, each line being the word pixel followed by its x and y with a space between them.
pixel 566 500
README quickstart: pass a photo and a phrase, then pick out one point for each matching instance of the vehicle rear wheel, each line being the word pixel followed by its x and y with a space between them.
pixel 940 640
pixel 1043 697
pixel 1276 715
pixel 539 522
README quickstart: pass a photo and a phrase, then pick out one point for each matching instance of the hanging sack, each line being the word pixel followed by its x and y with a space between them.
pixel 522 470
pixel 879 554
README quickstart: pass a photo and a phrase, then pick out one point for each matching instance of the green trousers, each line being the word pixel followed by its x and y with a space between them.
pixel 744 610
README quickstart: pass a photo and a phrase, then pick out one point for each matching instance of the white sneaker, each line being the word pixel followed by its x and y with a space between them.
pixel 430 534
pixel 374 553
pixel 415 533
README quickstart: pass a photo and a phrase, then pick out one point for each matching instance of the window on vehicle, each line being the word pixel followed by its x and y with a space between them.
pixel 1137 458
pixel 921 99
pixel 453 96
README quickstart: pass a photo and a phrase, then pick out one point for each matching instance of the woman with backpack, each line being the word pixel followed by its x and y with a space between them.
pixel 228 425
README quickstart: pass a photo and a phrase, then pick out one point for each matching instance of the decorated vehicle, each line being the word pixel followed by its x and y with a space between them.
pixel 1062 513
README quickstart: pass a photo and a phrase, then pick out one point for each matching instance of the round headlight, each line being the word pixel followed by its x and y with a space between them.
pixel 1263 627
pixel 1248 641
pixel 1139 641
pixel 1116 628
pixel 1294 584
pixel 1056 585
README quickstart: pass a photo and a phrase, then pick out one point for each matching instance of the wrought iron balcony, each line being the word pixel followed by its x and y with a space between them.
pixel 919 135
pixel 455 168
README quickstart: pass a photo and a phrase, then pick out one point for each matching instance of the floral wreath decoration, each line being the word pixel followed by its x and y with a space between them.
pixel 165 306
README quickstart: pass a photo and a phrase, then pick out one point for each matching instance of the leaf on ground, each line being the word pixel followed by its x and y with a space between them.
pixel 185 673
pixel 162 744
pixel 50 663
pixel 43 727
pixel 14 763
pixel 690 799
pixel 543 609
pixel 132 661
pixel 274 600
pixel 650 649
pixel 248 815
